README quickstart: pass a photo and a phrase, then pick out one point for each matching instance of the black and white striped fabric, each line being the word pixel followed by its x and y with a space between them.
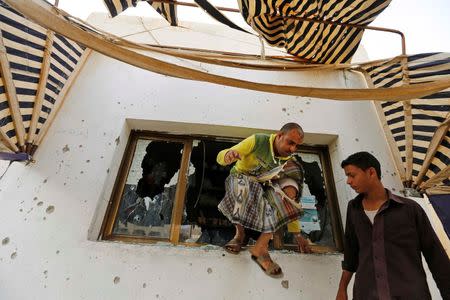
pixel 167 10
pixel 316 42
pixel 428 113
pixel 25 43
pixel 216 14
pixel 6 122
pixel 115 7
pixel 64 58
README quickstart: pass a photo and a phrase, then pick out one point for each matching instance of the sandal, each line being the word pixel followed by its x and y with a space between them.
pixel 234 246
pixel 273 270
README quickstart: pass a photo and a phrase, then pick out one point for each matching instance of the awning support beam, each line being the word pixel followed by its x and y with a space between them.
pixel 40 94
pixel 11 95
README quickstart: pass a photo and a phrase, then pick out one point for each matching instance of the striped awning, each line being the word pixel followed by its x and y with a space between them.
pixel 320 31
pixel 167 10
pixel 418 130
pixel 36 65
pixel 412 92
pixel 326 32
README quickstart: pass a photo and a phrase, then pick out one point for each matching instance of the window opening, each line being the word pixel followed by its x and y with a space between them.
pixel 168 189
pixel 146 206
pixel 206 188
pixel 316 220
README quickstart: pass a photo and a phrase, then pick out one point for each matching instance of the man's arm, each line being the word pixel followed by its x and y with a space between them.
pixel 343 284
pixel 350 262
pixel 294 226
pixel 238 151
pixel 434 253
pixel 302 243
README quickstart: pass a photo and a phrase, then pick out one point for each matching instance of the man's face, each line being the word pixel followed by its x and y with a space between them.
pixel 287 143
pixel 358 179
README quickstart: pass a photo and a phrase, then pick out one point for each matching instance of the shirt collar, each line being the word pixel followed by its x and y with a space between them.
pixel 390 195
pixel 394 197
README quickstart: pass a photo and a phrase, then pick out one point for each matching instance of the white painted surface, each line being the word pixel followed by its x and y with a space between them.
pixel 57 256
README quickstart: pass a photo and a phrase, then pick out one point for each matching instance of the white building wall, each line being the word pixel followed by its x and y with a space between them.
pixel 52 209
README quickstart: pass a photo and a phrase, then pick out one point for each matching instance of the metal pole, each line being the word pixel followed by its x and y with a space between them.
pixel 403 40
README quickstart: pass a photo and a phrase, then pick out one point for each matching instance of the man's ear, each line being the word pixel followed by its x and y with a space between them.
pixel 373 172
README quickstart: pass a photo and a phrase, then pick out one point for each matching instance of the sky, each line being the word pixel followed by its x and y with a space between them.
pixel 425 23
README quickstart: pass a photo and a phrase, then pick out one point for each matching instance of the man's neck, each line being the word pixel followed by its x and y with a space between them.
pixel 374 198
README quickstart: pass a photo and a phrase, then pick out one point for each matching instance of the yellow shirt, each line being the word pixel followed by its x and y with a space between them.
pixel 249 162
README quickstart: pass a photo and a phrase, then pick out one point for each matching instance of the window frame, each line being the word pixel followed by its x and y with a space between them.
pixel 106 232
pixel 332 203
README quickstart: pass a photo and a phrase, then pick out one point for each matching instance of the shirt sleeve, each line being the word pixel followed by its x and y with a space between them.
pixel 434 253
pixel 244 148
pixel 294 226
pixel 351 248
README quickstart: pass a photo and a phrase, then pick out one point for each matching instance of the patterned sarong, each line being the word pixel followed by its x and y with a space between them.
pixel 257 205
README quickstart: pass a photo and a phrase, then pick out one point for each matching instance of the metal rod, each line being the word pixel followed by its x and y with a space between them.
pixel 181 3
pixel 375 28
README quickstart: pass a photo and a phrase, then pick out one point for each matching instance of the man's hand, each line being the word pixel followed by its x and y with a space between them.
pixel 342 295
pixel 303 244
pixel 231 156
pixel 343 284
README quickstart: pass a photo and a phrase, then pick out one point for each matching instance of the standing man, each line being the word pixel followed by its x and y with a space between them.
pixel 262 203
pixel 385 237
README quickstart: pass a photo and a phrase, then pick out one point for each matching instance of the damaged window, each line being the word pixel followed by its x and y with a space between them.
pixel 206 188
pixel 149 192
pixel 168 189
pixel 317 203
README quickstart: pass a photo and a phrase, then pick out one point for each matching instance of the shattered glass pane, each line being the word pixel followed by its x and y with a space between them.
pixel 146 206
pixel 206 187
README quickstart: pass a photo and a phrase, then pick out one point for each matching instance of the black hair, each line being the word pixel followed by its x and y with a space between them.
pixel 363 160
pixel 290 126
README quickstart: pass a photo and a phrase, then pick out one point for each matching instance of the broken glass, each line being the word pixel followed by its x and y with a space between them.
pixel 146 206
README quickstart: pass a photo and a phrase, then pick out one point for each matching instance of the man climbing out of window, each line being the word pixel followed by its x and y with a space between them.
pixel 262 190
